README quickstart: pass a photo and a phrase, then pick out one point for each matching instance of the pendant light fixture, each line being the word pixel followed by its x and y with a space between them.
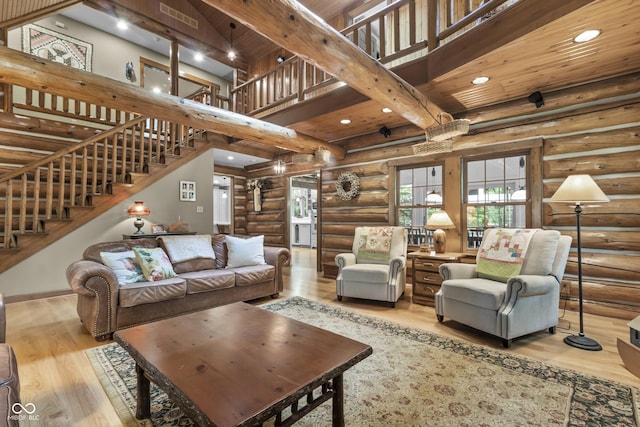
pixel 232 53
pixel 280 167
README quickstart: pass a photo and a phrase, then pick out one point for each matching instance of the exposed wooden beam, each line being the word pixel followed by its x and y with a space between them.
pixel 39 74
pixel 298 30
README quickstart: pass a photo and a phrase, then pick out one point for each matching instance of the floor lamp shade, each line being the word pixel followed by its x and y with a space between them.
pixel 578 189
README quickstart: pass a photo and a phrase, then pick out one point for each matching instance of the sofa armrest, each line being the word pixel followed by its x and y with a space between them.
pixel 453 270
pixel 530 285
pixel 97 288
pixel 278 257
pixel 345 259
pixel 397 265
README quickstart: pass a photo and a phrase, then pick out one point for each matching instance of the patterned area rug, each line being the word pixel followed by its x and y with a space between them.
pixel 415 378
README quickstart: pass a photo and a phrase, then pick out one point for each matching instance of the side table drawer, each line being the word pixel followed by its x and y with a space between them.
pixel 427 264
pixel 427 277
pixel 425 294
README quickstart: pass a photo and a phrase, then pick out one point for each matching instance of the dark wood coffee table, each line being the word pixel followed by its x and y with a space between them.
pixel 240 365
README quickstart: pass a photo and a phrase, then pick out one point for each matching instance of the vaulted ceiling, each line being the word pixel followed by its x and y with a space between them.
pixel 523 52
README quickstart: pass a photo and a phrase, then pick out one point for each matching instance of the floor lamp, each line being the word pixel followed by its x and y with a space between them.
pixel 579 189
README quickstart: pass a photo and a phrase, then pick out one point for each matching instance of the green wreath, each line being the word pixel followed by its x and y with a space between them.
pixel 347 185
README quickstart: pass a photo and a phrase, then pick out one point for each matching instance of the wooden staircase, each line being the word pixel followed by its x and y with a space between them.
pixel 46 194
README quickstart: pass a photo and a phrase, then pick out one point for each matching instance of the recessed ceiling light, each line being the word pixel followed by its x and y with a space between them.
pixel 480 80
pixel 198 57
pixel 387 110
pixel 122 25
pixel 586 36
pixel 229 157
pixel 345 121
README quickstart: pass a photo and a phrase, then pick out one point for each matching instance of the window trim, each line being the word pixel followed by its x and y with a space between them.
pixel 533 204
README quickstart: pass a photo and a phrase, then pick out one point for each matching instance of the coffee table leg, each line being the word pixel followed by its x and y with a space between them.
pixel 143 404
pixel 338 401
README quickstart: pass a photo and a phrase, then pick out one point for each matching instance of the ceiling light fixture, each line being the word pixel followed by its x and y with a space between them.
pixel 480 80
pixel 387 110
pixel 231 54
pixel 587 36
pixel 198 56
pixel 280 167
pixel 345 121
pixel 281 59
pixel 122 25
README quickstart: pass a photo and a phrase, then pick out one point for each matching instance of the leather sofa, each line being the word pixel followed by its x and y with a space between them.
pixel 105 306
pixel 9 380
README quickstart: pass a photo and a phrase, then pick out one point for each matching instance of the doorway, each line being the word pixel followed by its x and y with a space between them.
pixel 303 217
pixel 222 203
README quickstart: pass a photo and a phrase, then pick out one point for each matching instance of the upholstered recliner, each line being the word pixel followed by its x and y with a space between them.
pixel 514 287
pixel 376 267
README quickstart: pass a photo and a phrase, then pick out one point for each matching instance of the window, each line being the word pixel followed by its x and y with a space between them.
pixel 496 195
pixel 420 191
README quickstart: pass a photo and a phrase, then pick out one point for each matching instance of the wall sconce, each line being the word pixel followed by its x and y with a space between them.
pixel 385 131
pixel 138 210
pixel 536 98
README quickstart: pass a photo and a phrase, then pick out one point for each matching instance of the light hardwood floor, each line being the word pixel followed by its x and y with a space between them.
pixel 56 376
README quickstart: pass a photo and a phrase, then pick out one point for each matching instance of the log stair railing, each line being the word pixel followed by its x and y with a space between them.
pixel 50 197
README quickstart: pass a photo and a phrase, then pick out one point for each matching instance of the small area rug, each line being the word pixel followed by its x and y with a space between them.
pixel 415 378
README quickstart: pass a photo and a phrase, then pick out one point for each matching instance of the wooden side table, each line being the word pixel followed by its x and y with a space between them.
pixel 426 278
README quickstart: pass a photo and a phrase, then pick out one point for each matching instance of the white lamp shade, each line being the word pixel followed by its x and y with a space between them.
pixel 439 220
pixel 579 189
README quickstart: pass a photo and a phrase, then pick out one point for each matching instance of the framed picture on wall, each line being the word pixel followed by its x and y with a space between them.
pixel 187 191
pixel 157 228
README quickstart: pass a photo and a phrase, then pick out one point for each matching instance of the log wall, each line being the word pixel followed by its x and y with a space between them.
pixel 598 138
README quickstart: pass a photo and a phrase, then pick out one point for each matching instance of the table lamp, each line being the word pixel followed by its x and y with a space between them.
pixel 439 221
pixel 578 189
pixel 138 210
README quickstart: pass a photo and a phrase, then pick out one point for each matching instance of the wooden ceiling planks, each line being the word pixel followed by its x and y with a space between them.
pixel 298 30
pixel 17 12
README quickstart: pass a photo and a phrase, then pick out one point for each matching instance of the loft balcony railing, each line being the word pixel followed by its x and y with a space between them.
pixel 401 32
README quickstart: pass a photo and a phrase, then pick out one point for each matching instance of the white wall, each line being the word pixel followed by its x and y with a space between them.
pixel 45 271
pixel 110 53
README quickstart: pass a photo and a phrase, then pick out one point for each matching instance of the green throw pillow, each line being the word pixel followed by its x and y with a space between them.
pixel 155 263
